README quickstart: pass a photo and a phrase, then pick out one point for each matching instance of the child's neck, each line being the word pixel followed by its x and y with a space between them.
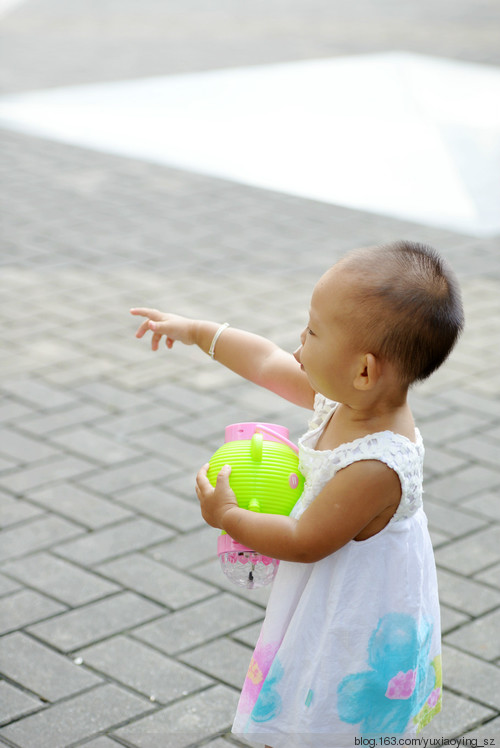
pixel 348 424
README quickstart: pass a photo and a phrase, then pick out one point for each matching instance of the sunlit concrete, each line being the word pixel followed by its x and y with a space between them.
pixel 397 134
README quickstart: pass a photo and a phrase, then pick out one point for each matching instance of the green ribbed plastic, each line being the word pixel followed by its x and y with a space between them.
pixel 264 476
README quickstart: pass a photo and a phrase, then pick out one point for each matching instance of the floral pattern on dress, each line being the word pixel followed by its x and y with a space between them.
pixel 402 683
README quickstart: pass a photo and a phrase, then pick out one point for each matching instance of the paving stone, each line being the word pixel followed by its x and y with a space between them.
pixel 185 722
pixel 487 732
pixel 78 628
pixel 486 504
pixel 79 505
pixel 156 581
pixel 223 659
pixel 85 442
pixel 49 675
pixel 465 483
pixel 24 449
pixel 15 703
pixel 57 469
pixel 186 551
pixel 451 427
pixel 24 607
pixel 490 576
pixel 479 637
pixel 69 721
pixel 452 521
pixel 466 595
pixel 32 536
pixel 60 579
pixel 451 618
pixel 101 545
pixel 471 677
pixel 125 476
pixel 471 554
pixel 14 510
pixel 47 423
pixel 7 586
pixel 189 628
pixel 480 448
pixel 161 442
pixel 143 669
pixel 162 505
pixel 37 393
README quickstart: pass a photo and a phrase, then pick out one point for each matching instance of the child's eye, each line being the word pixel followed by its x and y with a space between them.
pixel 309 331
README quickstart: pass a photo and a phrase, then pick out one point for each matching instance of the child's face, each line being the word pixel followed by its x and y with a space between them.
pixel 328 354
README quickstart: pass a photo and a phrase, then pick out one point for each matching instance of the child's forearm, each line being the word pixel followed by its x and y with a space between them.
pixel 257 359
pixel 272 535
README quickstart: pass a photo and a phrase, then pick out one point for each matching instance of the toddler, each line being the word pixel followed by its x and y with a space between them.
pixel 350 645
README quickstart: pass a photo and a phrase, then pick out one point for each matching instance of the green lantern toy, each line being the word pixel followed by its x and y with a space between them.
pixel 265 478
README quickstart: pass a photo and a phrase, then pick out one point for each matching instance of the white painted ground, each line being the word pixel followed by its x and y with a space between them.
pixel 398 134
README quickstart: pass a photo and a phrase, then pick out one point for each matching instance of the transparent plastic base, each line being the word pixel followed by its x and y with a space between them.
pixel 248 569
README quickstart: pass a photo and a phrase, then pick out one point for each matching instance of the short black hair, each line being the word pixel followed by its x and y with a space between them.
pixel 408 306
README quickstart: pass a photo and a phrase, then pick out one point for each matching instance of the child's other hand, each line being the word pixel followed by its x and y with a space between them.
pixel 215 502
pixel 173 326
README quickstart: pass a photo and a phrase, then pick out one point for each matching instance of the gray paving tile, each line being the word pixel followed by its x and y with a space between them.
pixel 40 532
pixel 223 659
pixel 186 551
pixel 24 449
pixel 86 442
pixel 131 474
pixel 59 579
pixel 24 607
pixel 60 468
pixel 156 581
pixel 162 505
pixel 79 505
pixel 98 620
pixel 452 521
pixel 490 576
pixel 143 669
pixel 471 677
pixel 82 716
pixel 14 510
pixel 479 637
pixel 188 628
pixel 15 703
pixel 486 505
pixel 465 594
pixel 38 394
pixel 185 722
pixel 471 554
pixel 462 484
pixel 109 542
pixel 35 667
pixel 47 423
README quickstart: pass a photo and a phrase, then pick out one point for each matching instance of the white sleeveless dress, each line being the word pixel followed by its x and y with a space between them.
pixel 351 645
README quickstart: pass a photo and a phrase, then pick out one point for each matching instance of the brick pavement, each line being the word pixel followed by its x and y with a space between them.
pixel 116 625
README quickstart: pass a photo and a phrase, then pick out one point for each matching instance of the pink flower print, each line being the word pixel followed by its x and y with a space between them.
pixel 434 698
pixel 402 685
pixel 257 672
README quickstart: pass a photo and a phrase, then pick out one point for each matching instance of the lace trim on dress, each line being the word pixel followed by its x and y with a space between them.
pixel 395 450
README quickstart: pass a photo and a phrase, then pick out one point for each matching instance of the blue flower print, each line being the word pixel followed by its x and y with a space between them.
pixel 268 704
pixel 385 698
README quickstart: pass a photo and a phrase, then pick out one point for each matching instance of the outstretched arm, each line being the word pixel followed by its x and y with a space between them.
pixel 251 356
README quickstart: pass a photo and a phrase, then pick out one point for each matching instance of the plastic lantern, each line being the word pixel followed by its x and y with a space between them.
pixel 265 478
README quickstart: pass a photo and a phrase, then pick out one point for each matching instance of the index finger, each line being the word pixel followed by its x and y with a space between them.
pixel 153 314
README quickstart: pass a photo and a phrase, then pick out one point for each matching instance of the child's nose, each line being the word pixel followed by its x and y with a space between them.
pixel 296 354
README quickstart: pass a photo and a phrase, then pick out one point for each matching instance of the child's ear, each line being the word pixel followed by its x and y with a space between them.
pixel 369 372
